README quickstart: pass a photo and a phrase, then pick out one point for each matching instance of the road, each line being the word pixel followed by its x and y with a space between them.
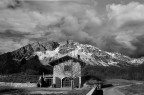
pixel 109 91
pixel 115 91
pixel 112 91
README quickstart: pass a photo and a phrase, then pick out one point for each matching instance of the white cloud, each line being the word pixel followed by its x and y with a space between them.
pixel 133 11
pixel 36 22
pixel 43 19
pixel 26 21
pixel 93 17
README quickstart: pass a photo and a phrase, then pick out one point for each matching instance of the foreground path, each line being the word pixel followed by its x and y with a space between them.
pixel 112 91
pixel 108 91
pixel 115 91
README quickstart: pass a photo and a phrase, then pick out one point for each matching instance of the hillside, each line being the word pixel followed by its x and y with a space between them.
pixel 24 60
pixel 35 57
pixel 88 53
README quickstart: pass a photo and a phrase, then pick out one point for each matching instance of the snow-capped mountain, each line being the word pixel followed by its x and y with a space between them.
pixel 49 51
pixel 88 53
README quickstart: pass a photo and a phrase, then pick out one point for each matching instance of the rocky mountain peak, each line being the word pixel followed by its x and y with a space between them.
pixel 28 50
pixel 89 54
pixel 49 50
pixel 37 56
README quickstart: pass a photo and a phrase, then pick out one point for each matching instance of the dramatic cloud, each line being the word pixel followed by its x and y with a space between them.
pixel 132 12
pixel 129 22
pixel 117 28
pixel 59 22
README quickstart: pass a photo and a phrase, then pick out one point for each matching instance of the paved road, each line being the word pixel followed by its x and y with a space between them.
pixel 107 91
pixel 115 91
pixel 112 91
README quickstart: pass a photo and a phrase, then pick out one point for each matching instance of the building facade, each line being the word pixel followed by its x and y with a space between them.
pixel 67 72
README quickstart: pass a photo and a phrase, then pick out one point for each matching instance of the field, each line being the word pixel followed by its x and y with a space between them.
pixel 135 89
pixel 42 91
pixel 20 78
pixel 128 87
pixel 131 87
pixel 120 82
pixel 6 90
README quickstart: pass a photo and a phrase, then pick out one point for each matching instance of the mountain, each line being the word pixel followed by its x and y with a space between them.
pixel 24 60
pixel 36 56
pixel 88 53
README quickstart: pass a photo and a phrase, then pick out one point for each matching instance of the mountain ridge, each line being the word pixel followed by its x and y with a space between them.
pixel 35 59
pixel 90 54
pixel 50 50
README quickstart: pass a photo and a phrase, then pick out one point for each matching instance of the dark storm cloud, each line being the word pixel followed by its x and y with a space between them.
pixel 139 44
pixel 12 34
pixel 128 27
pixel 109 43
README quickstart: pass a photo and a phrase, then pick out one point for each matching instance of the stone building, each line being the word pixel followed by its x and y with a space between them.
pixel 67 72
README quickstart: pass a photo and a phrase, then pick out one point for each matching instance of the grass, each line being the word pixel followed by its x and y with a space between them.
pixel 79 92
pixel 120 82
pixel 19 78
pixel 135 89
pixel 22 78
pixel 132 89
pixel 76 92
pixel 6 90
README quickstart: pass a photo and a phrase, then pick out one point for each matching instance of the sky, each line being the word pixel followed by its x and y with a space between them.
pixel 111 25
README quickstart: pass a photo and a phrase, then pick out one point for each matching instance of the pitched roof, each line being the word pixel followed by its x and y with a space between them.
pixel 66 58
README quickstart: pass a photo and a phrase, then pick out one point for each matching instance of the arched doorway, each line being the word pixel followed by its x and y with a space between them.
pixel 66 82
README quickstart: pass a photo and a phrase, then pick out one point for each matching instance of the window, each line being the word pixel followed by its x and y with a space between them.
pixel 67 68
pixel 49 82
pixel 66 82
